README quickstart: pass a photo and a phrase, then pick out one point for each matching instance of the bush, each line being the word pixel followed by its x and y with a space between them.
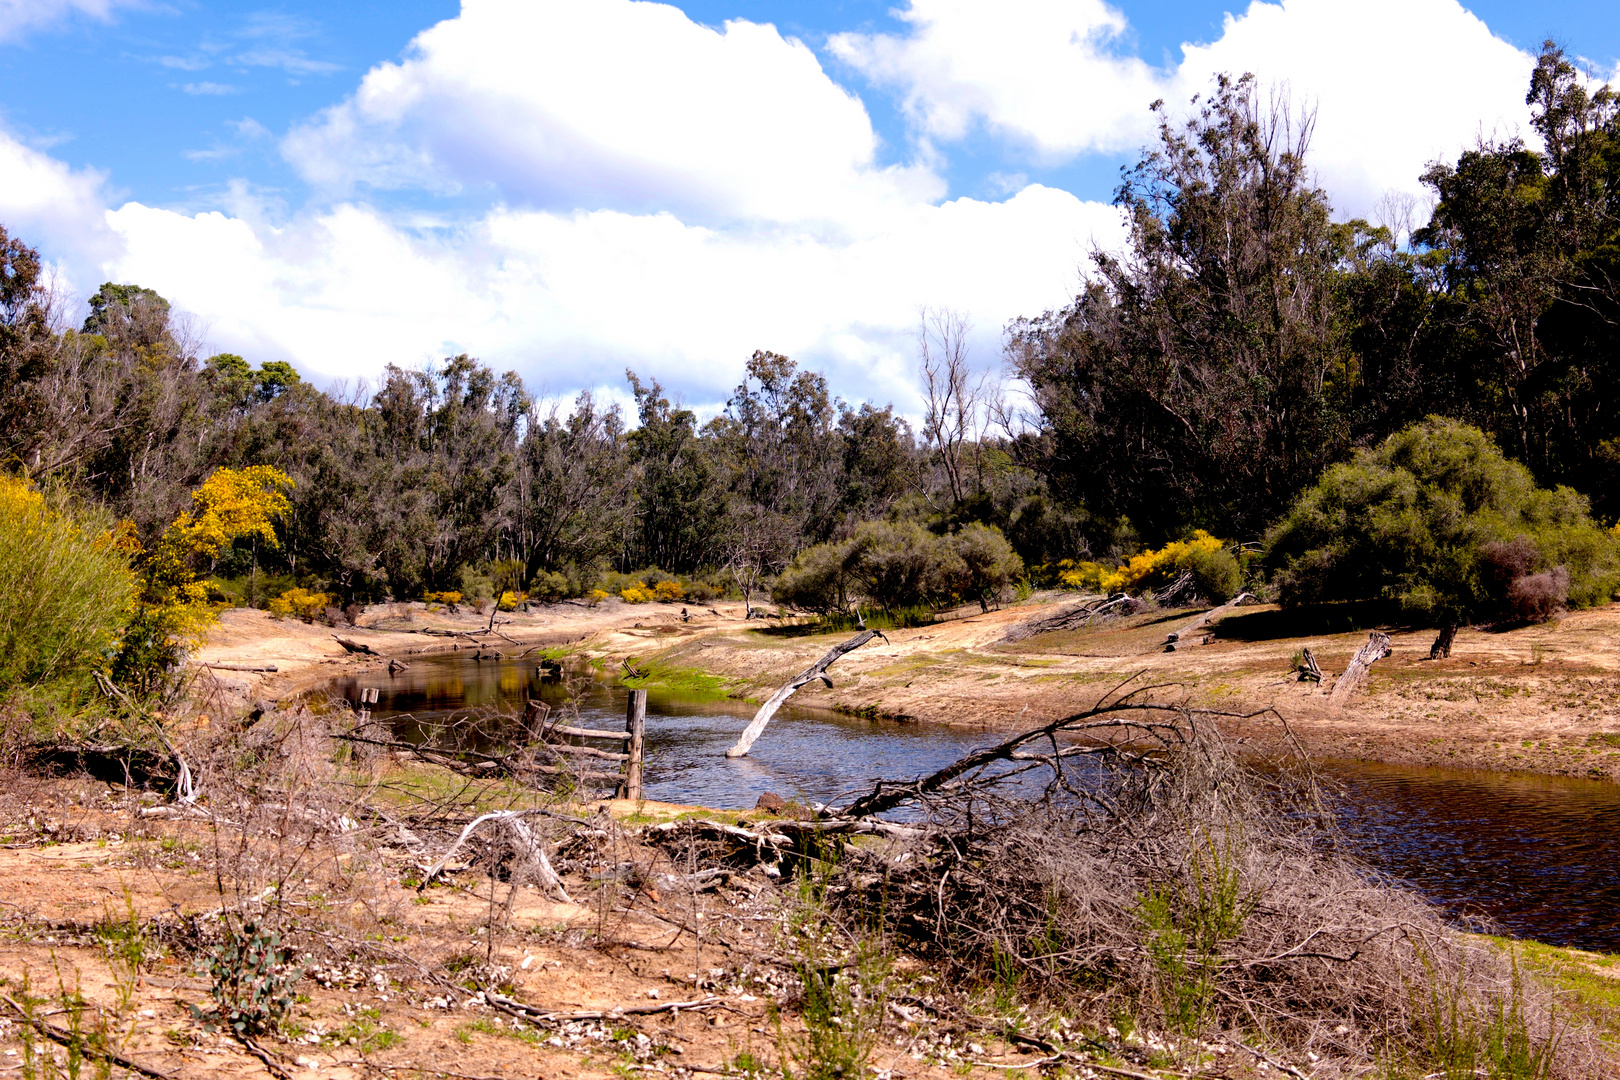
pixel 1438 520
pixel 65 590
pixel 549 587
pixel 635 594
pixel 302 604
pixel 668 592
pixel 817 580
pixel 448 599
pixel 1215 570
pixel 988 564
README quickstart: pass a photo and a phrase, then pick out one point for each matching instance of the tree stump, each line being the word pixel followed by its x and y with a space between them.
pixel 1355 676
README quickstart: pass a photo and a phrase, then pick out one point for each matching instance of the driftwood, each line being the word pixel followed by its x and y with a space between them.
pixel 530 853
pixel 810 674
pixel 1355 676
pixel 353 646
pixel 1072 618
pixel 241 667
pixel 1178 637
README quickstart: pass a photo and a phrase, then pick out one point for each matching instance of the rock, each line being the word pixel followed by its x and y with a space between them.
pixel 771 803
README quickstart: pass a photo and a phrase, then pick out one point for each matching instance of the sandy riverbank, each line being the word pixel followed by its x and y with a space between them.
pixel 1541 699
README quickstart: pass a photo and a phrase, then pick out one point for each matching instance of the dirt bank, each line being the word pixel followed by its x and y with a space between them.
pixel 1541 699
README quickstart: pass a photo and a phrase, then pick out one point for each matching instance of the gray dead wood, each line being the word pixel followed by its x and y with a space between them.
pixel 1355 676
pixel 810 674
pixel 1179 637
pixel 1076 616
pixel 351 645
pixel 242 667
pixel 530 854
pixel 1308 670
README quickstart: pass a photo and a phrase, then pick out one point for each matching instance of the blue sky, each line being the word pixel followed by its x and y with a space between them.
pixel 572 188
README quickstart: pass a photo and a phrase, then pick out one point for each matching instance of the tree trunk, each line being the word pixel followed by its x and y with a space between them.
pixel 1355 676
pixel 1441 649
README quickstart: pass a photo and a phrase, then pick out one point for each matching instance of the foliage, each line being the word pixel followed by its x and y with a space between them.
pixel 900 564
pixel 253 977
pixel 450 598
pixel 301 604
pixel 65 590
pixel 1439 520
pixel 1201 377
pixel 1215 570
pixel 173 609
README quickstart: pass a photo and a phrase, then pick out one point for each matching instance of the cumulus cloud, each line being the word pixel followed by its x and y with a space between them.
pixel 19 17
pixel 48 204
pixel 559 105
pixel 1049 75
pixel 570 299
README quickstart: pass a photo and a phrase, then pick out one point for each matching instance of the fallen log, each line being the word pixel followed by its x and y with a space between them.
pixel 1177 637
pixel 1355 676
pixel 241 667
pixel 810 674
pixel 1072 618
pixel 353 646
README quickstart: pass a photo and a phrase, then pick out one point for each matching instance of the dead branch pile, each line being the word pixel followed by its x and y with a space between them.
pixel 1153 872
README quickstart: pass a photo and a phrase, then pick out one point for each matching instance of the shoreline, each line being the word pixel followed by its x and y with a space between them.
pixel 1541 700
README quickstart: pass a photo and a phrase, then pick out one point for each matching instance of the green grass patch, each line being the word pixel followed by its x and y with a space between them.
pixel 1589 982
pixel 675 679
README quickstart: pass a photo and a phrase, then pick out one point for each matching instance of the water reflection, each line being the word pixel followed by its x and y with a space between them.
pixel 1538 855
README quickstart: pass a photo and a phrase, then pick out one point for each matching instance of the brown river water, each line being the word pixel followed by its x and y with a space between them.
pixel 1530 856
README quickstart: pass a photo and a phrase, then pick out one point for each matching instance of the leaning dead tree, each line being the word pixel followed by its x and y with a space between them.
pixel 817 670
pixel 528 852
pixel 1084 613
pixel 1355 676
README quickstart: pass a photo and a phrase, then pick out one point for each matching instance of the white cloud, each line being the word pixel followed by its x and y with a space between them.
pixel 570 299
pixel 60 210
pixel 19 17
pixel 210 88
pixel 1046 73
pixel 1043 73
pixel 560 104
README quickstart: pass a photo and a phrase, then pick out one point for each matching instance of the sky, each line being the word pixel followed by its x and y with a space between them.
pixel 570 188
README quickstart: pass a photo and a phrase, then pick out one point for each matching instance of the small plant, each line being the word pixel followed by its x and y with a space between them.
pixel 252 978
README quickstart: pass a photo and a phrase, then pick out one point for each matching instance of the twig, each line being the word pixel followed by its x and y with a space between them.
pixel 513 1007
pixel 269 1059
pixel 72 1041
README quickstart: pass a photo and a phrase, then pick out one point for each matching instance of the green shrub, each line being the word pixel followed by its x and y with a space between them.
pixel 548 586
pixel 1439 520
pixel 66 590
pixel 988 564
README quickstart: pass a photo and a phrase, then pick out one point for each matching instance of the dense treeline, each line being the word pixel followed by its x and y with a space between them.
pixel 1244 342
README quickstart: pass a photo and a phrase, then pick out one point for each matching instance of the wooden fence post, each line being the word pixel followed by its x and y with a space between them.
pixel 636 724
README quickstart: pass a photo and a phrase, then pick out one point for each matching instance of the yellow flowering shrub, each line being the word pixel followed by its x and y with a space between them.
pixel 595 596
pixel 510 599
pixel 668 592
pixel 636 594
pixel 1149 569
pixel 301 603
pixel 68 590
pixel 448 598
pixel 173 611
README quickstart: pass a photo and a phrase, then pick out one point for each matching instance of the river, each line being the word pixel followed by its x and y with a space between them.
pixel 1537 856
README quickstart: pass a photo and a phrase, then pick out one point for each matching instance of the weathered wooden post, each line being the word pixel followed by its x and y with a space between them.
pixel 636 724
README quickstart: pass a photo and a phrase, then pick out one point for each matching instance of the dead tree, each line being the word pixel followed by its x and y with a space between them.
pixel 530 854
pixel 817 670
pixel 1180 637
pixel 1355 676
pixel 1441 649
pixel 1308 669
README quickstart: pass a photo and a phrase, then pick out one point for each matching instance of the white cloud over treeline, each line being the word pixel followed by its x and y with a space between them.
pixel 670 196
